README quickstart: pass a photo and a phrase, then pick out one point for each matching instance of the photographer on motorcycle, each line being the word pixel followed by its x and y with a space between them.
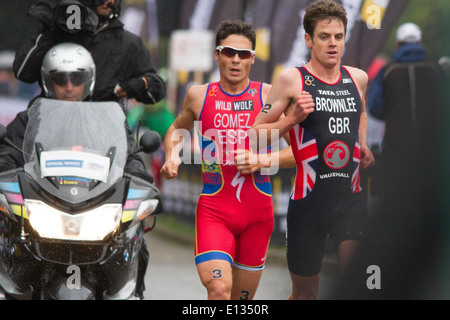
pixel 124 65
pixel 68 73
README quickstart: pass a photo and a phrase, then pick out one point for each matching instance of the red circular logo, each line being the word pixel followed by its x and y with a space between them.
pixel 336 155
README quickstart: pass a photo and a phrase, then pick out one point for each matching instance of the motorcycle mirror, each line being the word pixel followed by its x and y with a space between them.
pixel 150 141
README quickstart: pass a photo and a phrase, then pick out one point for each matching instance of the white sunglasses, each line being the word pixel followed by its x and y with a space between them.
pixel 230 52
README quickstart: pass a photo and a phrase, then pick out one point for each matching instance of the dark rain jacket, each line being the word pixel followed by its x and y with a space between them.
pixel 405 94
pixel 118 55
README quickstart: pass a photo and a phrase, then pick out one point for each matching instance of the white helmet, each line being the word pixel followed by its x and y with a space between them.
pixel 68 61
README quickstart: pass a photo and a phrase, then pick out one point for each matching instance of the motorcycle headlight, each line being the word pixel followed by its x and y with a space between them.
pixel 92 225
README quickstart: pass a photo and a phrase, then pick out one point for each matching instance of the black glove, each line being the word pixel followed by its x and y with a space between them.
pixel 134 87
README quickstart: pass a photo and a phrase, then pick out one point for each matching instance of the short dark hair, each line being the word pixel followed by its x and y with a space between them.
pixel 323 10
pixel 229 27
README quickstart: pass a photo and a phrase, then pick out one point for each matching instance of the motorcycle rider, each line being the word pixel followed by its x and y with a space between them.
pixel 68 73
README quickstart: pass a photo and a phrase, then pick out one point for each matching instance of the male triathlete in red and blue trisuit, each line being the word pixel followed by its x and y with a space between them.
pixel 234 218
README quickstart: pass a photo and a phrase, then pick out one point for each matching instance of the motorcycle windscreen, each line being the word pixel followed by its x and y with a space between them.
pixel 75 150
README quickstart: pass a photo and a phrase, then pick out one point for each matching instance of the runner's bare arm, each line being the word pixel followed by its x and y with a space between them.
pixel 285 97
pixel 361 78
pixel 182 125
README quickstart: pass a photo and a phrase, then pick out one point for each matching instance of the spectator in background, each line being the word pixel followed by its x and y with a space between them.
pixel 405 92
pixel 406 239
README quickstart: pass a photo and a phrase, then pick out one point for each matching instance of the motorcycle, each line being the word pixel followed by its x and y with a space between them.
pixel 71 219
